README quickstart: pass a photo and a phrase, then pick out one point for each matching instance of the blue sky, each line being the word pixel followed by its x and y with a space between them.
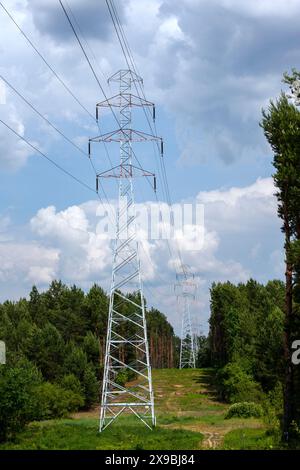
pixel 210 66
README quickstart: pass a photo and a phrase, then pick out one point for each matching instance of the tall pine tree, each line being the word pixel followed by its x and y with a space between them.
pixel 281 125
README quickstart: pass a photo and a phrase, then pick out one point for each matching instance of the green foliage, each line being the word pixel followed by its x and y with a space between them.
pixel 124 376
pixel 250 439
pixel 244 410
pixel 204 356
pixel 281 126
pixel 75 361
pixel 71 382
pixel 90 387
pixel 47 351
pixel 53 401
pixel 235 385
pixel 83 435
pixel 17 397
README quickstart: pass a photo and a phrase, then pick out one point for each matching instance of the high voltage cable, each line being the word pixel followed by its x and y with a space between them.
pixel 165 180
pixel 112 12
pixel 45 61
pixel 42 116
pixel 48 158
pixel 51 125
pixel 51 69
pixel 115 19
pixel 62 83
pixel 59 167
pixel 133 64
pixel 94 73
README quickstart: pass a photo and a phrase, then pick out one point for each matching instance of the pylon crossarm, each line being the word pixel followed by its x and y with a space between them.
pixel 127 76
pixel 130 99
pixel 123 135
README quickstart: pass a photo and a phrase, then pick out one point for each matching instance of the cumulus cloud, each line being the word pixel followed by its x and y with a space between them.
pixel 94 18
pixel 85 255
pixel 30 262
pixel 14 152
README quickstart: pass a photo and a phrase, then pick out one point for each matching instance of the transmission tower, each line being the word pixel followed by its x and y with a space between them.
pixel 186 289
pixel 127 348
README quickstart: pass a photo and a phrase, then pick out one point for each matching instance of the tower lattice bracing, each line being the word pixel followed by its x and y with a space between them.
pixel 127 352
pixel 186 288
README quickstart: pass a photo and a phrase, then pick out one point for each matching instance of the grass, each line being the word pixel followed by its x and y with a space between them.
pixel 189 417
pixel 249 439
pixel 83 434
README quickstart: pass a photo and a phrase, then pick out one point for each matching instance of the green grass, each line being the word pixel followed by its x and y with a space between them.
pixel 83 434
pixel 188 413
pixel 249 439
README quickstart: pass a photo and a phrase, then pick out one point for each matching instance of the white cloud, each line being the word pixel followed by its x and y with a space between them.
pixel 14 152
pixel 28 262
pixel 241 209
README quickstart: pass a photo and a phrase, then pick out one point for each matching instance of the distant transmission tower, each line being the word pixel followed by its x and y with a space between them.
pixel 186 289
pixel 126 344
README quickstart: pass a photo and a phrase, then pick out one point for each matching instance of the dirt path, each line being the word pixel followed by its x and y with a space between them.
pixel 186 399
pixel 212 440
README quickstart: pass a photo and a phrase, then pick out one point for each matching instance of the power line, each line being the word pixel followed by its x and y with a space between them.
pixel 62 83
pixel 45 61
pixel 94 73
pixel 117 24
pixel 53 127
pixel 82 48
pixel 48 158
pixel 42 116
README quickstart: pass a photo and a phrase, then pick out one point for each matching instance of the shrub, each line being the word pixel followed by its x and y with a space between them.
pixel 244 410
pixel 124 376
pixel 273 406
pixel 54 401
pixel 17 397
pixel 235 385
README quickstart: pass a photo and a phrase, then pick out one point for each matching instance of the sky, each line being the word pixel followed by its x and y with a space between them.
pixel 210 66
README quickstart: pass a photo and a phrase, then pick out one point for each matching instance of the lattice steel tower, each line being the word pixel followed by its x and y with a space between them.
pixel 186 290
pixel 126 343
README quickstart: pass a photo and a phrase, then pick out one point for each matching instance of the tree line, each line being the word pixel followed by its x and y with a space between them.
pixel 253 327
pixel 55 343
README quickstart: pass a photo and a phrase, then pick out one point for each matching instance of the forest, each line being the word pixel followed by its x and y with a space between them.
pixel 55 339
pixel 55 345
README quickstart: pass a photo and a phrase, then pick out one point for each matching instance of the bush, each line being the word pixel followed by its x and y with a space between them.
pixel 17 397
pixel 244 410
pixel 273 406
pixel 235 385
pixel 124 376
pixel 54 401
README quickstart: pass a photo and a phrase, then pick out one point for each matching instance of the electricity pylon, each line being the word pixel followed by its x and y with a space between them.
pixel 186 289
pixel 127 350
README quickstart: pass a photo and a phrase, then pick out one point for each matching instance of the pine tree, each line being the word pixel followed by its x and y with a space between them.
pixel 281 125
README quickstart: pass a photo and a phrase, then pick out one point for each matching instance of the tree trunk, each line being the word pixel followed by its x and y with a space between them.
pixel 288 374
